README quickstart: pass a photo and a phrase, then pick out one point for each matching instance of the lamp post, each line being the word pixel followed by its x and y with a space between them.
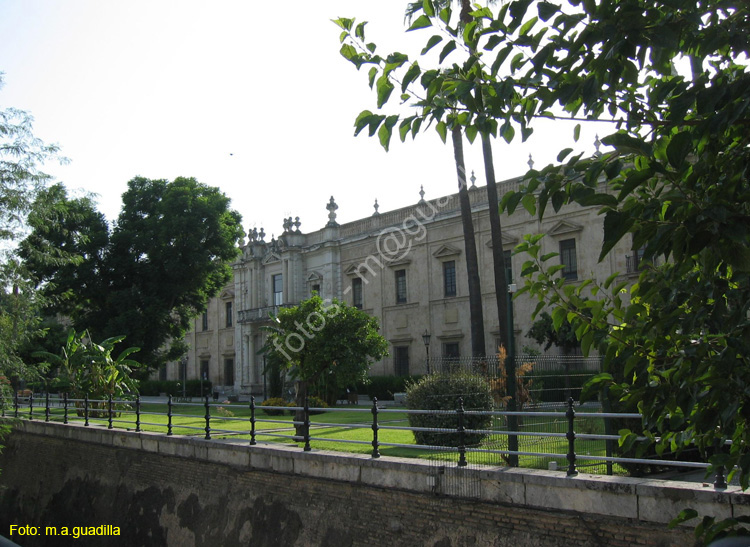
pixel 426 339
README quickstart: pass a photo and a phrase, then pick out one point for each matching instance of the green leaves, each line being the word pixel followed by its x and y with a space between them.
pixel 678 149
pixel 423 21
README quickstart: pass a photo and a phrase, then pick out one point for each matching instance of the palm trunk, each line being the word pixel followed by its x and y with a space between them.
pixel 501 294
pixel 478 347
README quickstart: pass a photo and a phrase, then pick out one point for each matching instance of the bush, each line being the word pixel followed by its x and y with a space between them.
pixel 442 392
pixel 316 402
pixel 275 401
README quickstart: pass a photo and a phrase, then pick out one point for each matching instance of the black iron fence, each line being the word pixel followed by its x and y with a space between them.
pixel 570 437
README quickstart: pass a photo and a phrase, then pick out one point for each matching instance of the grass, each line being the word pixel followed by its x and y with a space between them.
pixel 345 429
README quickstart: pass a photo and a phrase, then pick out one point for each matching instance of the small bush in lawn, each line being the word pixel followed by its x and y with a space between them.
pixel 316 402
pixel 312 402
pixel 275 401
pixel 442 392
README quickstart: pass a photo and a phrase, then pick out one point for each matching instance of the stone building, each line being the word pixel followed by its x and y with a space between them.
pixel 406 267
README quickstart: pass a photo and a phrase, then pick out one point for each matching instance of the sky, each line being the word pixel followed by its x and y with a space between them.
pixel 251 97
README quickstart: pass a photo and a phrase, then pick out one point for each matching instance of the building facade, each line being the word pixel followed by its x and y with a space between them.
pixel 406 267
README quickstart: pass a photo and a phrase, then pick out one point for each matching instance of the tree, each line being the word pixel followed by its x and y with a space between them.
pixel 677 184
pixel 168 253
pixel 21 181
pixel 672 82
pixel 318 339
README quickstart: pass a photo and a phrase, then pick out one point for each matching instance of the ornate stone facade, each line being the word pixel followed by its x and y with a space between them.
pixel 406 267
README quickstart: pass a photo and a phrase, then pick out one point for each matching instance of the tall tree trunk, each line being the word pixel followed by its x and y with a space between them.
pixel 498 256
pixel 478 347
pixel 501 294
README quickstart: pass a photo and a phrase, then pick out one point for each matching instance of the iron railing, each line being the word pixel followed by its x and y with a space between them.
pixel 217 420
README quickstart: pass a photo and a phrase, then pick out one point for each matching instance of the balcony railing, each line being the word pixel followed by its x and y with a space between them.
pixel 258 314
pixel 634 263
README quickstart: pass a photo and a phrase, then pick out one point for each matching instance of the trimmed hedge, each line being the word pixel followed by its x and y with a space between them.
pixel 549 386
pixel 442 392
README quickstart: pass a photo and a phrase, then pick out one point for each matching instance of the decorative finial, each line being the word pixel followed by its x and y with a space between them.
pixel 376 213
pixel 332 213
pixel 530 163
pixel 262 235
pixel 597 144
pixel 297 224
pixel 473 180
pixel 421 194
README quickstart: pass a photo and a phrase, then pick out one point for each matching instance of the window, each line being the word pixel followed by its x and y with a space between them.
pixel 204 321
pixel 228 311
pixel 568 259
pixel 400 286
pixel 357 292
pixel 278 290
pixel 449 278
pixel 162 373
pixel 316 288
pixel 228 372
pixel 204 370
pixel 450 350
pixel 401 360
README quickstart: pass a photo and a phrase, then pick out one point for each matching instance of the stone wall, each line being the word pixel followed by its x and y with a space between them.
pixel 185 491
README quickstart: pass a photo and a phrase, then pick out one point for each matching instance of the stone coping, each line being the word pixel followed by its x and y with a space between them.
pixel 643 499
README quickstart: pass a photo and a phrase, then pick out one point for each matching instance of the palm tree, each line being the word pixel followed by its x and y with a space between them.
pixel 476 313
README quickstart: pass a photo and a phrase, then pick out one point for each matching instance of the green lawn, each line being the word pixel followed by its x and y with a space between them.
pixel 348 429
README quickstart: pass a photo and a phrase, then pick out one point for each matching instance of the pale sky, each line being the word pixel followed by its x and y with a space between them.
pixel 252 97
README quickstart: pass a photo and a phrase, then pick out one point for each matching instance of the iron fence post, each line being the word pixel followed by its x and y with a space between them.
pixel 375 427
pixel 109 411
pixel 252 420
pixel 31 406
pixel 86 409
pixel 65 407
pixel 15 405
pixel 138 413
pixel 720 480
pixel 169 414
pixel 571 435
pixel 208 420
pixel 46 407
pixel 461 434
pixel 306 412
pixel 2 404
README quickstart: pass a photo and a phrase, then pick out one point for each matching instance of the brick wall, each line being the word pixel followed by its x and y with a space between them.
pixel 179 491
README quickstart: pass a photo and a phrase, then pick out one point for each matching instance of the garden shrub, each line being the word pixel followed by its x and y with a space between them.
pixel 274 401
pixel 316 402
pixel 442 392
pixel 312 402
